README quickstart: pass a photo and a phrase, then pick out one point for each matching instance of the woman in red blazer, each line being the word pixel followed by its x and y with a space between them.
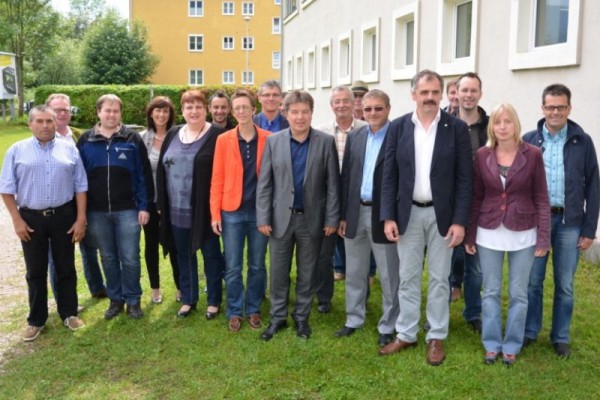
pixel 510 214
pixel 236 166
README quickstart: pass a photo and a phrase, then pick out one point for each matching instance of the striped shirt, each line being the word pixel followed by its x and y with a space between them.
pixel 554 163
pixel 42 176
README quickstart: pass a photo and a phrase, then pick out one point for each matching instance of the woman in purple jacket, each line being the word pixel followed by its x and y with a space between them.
pixel 510 214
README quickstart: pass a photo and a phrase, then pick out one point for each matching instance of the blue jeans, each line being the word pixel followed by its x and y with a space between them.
pixel 237 226
pixel 565 256
pixel 519 267
pixel 117 235
pixel 472 288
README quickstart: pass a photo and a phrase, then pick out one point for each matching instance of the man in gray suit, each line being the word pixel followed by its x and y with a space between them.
pixel 359 220
pixel 297 203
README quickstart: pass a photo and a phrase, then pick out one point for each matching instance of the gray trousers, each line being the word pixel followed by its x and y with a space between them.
pixel 358 263
pixel 281 252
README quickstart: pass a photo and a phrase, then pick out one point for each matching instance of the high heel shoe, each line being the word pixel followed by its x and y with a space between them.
pixel 212 314
pixel 184 314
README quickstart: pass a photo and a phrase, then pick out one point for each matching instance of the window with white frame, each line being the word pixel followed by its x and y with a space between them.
pixel 544 33
pixel 344 58
pixel 276 26
pixel 456 41
pixel 247 8
pixel 299 71
pixel 248 77
pixel 196 42
pixel 276 62
pixel 369 52
pixel 228 78
pixel 311 67
pixel 228 8
pixel 289 74
pixel 277 2
pixel 195 8
pixel 247 43
pixel 227 42
pixel 196 77
pixel 290 7
pixel 325 66
pixel 404 46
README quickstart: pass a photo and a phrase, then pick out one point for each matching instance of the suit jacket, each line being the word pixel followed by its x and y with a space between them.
pixel 352 174
pixel 275 190
pixel 451 173
pixel 521 204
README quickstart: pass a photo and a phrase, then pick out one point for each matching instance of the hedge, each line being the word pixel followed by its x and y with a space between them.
pixel 135 99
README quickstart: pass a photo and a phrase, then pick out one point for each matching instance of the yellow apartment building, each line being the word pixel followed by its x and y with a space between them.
pixel 212 42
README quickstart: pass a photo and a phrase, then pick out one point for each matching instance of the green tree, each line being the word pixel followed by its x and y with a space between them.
pixel 82 15
pixel 113 54
pixel 63 67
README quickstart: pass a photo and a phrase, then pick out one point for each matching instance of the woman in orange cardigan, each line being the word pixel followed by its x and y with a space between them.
pixel 236 166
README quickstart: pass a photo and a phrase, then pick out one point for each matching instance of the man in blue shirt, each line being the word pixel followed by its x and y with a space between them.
pixel 40 177
pixel 269 96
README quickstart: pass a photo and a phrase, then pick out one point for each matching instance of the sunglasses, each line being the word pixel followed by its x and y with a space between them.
pixel 376 109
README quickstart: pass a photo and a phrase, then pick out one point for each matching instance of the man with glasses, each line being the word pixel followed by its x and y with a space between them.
pixel 270 118
pixel 574 189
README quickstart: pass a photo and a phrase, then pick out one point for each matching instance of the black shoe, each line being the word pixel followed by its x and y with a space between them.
pixel 345 331
pixel 303 331
pixel 324 307
pixel 426 326
pixel 476 325
pixel 210 315
pixel 183 314
pixel 562 349
pixel 101 294
pixel 527 341
pixel 385 339
pixel 272 329
pixel 115 308
pixel 134 311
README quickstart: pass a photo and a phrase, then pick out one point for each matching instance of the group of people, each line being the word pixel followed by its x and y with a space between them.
pixel 453 186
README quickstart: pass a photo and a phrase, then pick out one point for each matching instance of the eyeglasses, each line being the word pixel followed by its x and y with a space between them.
pixel 376 109
pixel 556 108
pixel 61 110
pixel 242 108
pixel 271 95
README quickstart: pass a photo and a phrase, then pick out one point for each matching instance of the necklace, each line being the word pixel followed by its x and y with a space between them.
pixel 159 139
pixel 183 136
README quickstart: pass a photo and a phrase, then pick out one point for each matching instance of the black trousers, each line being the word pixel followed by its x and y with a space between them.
pixel 50 231
pixel 151 252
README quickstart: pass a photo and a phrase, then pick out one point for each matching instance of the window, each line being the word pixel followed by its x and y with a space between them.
pixel 228 8
pixel 196 77
pixel 276 63
pixel 247 43
pixel 196 42
pixel 299 70
pixel 247 77
pixel 276 26
pixel 456 40
pixel 404 47
pixel 311 66
pixel 247 8
pixel 463 30
pixel 325 68
pixel 277 2
pixel 369 57
pixel 227 42
pixel 289 74
pixel 196 8
pixel 544 33
pixel 344 59
pixel 290 8
pixel 228 78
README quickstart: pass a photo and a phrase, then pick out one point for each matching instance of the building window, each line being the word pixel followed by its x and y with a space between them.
pixel 544 33
pixel 276 63
pixel 227 42
pixel 228 8
pixel 247 8
pixel 289 74
pixel 404 53
pixel 456 40
pixel 345 59
pixel 311 66
pixel 290 7
pixel 228 78
pixel 276 26
pixel 196 42
pixel 369 64
pixel 248 77
pixel 277 2
pixel 463 30
pixel 196 77
pixel 247 43
pixel 325 68
pixel 299 71
pixel 196 8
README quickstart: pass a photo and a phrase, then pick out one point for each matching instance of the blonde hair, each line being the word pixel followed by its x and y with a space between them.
pixel 512 114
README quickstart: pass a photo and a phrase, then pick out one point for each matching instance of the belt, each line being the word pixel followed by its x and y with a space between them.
pixel 366 203
pixel 423 205
pixel 298 211
pixel 49 211
pixel 557 210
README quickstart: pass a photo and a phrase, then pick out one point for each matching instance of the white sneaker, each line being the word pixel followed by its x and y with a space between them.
pixel 73 323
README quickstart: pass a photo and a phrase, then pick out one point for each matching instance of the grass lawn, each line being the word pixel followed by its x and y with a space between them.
pixel 164 357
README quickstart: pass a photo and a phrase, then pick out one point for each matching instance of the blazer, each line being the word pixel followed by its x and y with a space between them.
pixel 275 190
pixel 451 173
pixel 521 204
pixel 227 181
pixel 352 174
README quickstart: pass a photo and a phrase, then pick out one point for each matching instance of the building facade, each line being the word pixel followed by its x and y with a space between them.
pixel 212 42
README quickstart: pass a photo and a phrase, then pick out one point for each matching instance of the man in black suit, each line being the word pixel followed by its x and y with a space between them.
pixel 425 201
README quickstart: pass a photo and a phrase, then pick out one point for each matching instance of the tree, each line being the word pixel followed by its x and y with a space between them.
pixel 63 67
pixel 82 15
pixel 112 54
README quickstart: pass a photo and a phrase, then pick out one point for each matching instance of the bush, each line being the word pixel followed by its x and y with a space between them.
pixel 135 99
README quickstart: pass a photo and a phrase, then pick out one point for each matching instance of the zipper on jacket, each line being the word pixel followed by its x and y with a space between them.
pixel 108 173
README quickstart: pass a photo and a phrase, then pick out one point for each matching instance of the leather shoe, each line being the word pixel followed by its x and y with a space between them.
pixel 212 314
pixel 345 331
pixel 562 349
pixel 527 341
pixel 395 346
pixel 324 307
pixel 385 339
pixel 235 324
pixel 476 325
pixel 272 329
pixel 435 352
pixel 303 330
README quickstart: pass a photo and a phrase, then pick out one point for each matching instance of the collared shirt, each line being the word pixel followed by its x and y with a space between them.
pixel 554 163
pixel 69 135
pixel 248 151
pixel 43 176
pixel 272 126
pixel 424 142
pixel 340 139
pixel 374 143
pixel 299 151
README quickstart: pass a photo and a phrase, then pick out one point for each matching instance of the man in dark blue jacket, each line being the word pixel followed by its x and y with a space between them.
pixel 574 189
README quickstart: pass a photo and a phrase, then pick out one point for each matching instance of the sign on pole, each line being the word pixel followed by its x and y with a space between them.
pixel 8 72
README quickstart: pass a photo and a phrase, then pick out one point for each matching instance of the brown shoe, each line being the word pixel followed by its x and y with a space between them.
pixel 435 352
pixel 254 321
pixel 395 346
pixel 456 293
pixel 235 324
